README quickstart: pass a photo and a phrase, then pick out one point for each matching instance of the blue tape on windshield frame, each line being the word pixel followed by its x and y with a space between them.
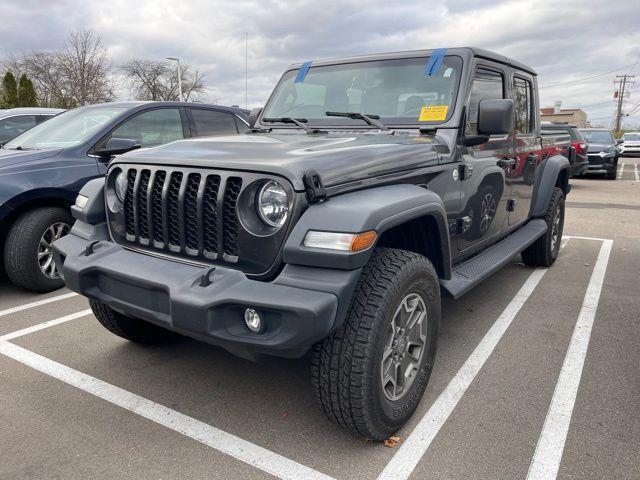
pixel 302 73
pixel 435 62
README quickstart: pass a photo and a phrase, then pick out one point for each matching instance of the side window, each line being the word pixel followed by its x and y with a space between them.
pixel 523 104
pixel 487 84
pixel 212 122
pixel 11 127
pixel 152 128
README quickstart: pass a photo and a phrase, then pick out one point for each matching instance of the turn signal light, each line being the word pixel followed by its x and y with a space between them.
pixel 362 241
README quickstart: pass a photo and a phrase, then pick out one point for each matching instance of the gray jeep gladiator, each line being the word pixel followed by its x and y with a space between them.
pixel 367 188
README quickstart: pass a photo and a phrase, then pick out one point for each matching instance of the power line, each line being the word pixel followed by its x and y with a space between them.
pixel 593 76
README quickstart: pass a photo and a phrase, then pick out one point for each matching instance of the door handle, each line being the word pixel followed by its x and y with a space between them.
pixel 506 162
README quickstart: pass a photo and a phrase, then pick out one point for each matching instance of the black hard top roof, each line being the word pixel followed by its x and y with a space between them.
pixel 464 52
pixel 131 104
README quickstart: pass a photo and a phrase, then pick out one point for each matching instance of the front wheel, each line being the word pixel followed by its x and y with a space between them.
pixel 130 328
pixel 370 374
pixel 612 173
pixel 28 252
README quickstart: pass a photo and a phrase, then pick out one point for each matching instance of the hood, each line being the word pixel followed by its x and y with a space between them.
pixel 599 147
pixel 10 158
pixel 338 158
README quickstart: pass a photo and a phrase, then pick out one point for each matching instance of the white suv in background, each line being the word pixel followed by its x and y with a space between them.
pixel 630 144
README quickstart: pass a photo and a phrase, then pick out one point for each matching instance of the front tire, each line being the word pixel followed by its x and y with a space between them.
pixel 544 251
pixel 612 173
pixel 370 374
pixel 28 253
pixel 130 328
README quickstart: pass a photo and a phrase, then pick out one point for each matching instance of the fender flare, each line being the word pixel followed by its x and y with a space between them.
pixel 379 209
pixel 553 168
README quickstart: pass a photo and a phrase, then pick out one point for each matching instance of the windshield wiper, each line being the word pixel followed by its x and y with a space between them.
pixel 300 122
pixel 372 120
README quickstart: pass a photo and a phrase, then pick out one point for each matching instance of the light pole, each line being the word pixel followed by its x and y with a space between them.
pixel 177 60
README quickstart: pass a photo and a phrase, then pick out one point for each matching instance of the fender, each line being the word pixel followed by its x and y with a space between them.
pixel 553 169
pixel 33 196
pixel 379 209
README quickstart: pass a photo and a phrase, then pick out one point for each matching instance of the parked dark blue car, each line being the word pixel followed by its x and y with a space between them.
pixel 42 170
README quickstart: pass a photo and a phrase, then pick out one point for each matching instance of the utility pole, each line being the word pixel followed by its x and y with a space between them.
pixel 623 81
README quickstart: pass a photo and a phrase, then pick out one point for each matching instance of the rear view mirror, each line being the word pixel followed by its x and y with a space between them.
pixel 253 116
pixel 118 146
pixel 495 117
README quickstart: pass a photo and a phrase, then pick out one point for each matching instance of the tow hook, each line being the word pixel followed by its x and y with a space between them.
pixel 90 248
pixel 205 279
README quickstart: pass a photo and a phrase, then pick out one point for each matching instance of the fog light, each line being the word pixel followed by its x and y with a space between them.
pixel 253 320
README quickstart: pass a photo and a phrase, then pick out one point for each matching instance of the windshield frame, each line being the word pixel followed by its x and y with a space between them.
pixel 332 123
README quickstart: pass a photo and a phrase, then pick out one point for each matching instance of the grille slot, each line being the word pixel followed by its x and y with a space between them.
pixel 128 203
pixel 191 213
pixel 210 216
pixel 173 210
pixel 142 205
pixel 157 224
pixel 230 224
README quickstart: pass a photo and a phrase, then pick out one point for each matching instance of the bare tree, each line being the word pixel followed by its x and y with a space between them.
pixel 79 74
pixel 85 66
pixel 158 80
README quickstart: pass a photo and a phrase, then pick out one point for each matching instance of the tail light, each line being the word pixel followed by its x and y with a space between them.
pixel 580 147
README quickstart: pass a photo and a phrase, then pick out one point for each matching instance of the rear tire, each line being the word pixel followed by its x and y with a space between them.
pixel 24 250
pixel 130 328
pixel 544 251
pixel 357 370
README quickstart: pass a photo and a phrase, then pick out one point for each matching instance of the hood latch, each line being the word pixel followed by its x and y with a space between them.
pixel 316 192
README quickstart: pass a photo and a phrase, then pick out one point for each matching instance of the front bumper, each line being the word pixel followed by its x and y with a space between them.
pixel 629 150
pixel 598 163
pixel 300 307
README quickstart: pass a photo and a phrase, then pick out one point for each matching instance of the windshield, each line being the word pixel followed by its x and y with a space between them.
pixel 631 137
pixel 598 136
pixel 67 129
pixel 397 90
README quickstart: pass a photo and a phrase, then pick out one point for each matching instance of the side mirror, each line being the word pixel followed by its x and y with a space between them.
pixel 495 117
pixel 619 141
pixel 118 146
pixel 253 116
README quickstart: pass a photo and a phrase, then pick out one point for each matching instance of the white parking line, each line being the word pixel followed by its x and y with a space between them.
pixel 224 442
pixel 635 170
pixel 414 447
pixel 620 170
pixel 26 306
pixel 42 326
pixel 548 454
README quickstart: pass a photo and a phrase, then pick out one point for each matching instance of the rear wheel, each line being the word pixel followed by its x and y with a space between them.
pixel 544 251
pixel 28 250
pixel 130 328
pixel 370 375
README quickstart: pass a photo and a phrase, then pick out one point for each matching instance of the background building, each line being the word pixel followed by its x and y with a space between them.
pixel 574 116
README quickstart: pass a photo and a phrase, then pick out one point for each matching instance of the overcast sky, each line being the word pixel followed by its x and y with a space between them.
pixel 563 41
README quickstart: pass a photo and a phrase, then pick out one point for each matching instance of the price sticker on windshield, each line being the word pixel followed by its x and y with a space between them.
pixel 433 113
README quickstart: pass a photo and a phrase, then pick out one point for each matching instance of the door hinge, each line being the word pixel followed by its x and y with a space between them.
pixel 511 205
pixel 316 192
pixel 464 171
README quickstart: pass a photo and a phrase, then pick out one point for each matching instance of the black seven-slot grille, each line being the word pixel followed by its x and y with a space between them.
pixel 189 213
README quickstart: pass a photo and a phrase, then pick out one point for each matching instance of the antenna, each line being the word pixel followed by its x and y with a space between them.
pixel 246 67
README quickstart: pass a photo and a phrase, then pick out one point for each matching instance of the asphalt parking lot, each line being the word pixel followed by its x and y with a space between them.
pixel 537 373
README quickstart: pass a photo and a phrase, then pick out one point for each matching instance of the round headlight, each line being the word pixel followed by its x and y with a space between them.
pixel 121 185
pixel 273 204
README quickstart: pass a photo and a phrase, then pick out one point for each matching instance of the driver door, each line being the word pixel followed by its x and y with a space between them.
pixel 483 191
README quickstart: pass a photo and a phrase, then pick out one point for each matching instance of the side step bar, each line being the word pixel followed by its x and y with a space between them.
pixel 468 274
